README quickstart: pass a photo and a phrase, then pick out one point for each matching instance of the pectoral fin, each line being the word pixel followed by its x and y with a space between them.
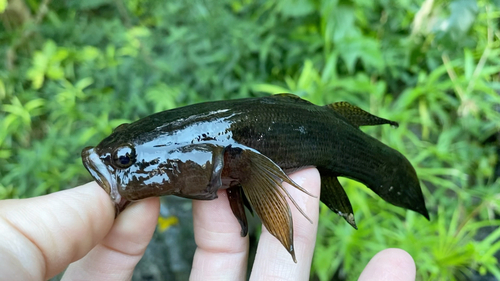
pixel 273 210
pixel 261 180
pixel 357 116
pixel 334 196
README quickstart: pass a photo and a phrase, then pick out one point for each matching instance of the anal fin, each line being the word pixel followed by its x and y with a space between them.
pixel 334 196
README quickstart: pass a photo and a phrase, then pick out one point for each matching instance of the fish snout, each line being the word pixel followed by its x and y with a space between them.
pixel 101 173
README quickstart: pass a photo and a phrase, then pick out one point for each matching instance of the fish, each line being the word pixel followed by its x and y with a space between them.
pixel 247 147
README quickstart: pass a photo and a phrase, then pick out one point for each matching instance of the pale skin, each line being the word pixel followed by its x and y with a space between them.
pixel 41 236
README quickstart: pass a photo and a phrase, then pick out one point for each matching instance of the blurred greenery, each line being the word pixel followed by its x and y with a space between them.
pixel 73 70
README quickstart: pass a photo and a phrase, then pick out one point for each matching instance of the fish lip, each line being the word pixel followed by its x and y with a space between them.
pixel 101 174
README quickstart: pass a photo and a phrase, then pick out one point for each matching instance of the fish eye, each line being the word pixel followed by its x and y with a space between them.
pixel 124 156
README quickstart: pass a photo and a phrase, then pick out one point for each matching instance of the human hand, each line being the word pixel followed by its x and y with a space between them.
pixel 389 265
pixel 222 253
pixel 42 235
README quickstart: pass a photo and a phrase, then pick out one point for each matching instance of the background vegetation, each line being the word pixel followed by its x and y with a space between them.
pixel 73 70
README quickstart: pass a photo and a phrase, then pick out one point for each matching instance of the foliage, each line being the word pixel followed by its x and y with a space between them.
pixel 73 70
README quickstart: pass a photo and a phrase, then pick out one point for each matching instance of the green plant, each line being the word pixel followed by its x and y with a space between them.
pixel 74 70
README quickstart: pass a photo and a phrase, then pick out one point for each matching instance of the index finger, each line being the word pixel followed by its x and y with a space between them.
pixel 42 235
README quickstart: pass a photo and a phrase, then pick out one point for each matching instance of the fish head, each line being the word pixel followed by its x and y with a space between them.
pixel 129 168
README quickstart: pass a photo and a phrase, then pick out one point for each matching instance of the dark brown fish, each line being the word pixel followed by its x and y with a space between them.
pixel 246 146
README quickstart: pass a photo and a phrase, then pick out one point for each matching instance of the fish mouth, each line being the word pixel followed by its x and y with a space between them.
pixel 101 174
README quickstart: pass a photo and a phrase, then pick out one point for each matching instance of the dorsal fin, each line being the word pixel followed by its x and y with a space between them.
pixel 120 127
pixel 357 116
pixel 286 95
pixel 290 97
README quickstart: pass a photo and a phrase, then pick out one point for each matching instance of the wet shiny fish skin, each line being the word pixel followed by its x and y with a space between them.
pixel 246 146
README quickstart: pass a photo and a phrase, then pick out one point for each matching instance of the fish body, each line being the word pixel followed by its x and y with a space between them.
pixel 246 146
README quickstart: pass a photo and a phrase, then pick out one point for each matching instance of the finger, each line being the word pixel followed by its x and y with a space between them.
pixel 390 264
pixel 42 235
pixel 119 252
pixel 272 261
pixel 222 253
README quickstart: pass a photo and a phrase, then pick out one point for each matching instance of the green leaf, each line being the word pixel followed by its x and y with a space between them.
pixel 268 88
pixel 3 5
